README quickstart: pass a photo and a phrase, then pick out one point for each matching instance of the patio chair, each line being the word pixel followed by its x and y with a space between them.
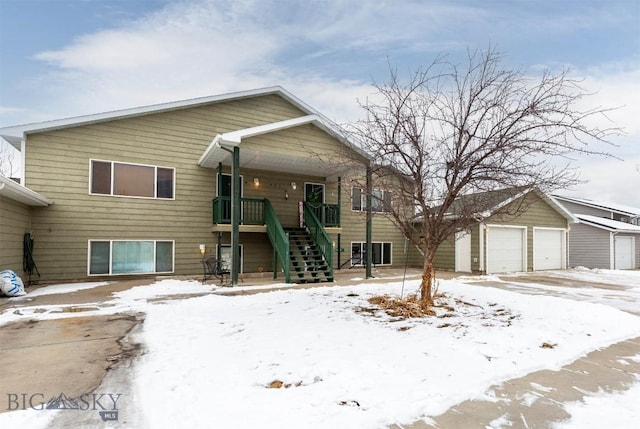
pixel 214 268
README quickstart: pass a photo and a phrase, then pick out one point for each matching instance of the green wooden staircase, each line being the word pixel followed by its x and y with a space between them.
pixel 307 263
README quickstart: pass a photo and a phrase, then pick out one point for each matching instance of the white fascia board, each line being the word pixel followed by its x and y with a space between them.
pixel 17 192
pixel 19 131
pixel 213 153
pixel 216 153
pixel 234 137
pixel 608 224
pixel 551 200
pixel 616 208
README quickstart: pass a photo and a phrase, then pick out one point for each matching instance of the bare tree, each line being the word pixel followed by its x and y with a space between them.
pixel 7 160
pixel 457 135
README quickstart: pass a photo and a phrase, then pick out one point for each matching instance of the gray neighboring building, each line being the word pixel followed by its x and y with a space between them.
pixel 607 235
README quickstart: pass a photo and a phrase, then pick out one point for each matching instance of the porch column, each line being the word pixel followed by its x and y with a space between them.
pixel 217 211
pixel 339 201
pixel 369 191
pixel 235 216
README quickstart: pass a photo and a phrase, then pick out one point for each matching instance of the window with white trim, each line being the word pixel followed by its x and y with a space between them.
pixel 131 180
pixel 381 253
pixel 115 257
pixel 380 200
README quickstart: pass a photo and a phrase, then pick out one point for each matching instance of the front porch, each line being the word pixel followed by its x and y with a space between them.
pixel 302 251
pixel 280 179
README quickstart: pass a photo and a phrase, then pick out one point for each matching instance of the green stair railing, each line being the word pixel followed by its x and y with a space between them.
pixel 319 235
pixel 279 241
pixel 327 214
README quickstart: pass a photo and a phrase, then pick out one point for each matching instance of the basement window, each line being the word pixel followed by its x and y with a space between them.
pixel 117 257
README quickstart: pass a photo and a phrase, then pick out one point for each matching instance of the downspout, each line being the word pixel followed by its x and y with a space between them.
pixel 368 224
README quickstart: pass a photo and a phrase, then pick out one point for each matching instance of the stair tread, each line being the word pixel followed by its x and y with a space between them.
pixel 303 254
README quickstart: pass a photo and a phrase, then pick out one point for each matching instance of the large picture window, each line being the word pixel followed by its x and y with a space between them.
pixel 380 200
pixel 381 253
pixel 113 257
pixel 131 180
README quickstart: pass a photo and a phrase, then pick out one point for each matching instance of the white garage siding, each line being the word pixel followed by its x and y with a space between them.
pixel 549 249
pixel 506 249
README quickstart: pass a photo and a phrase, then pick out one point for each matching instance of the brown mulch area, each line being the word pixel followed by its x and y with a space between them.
pixel 401 307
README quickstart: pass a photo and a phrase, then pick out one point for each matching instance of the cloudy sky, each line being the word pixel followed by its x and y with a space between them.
pixel 61 58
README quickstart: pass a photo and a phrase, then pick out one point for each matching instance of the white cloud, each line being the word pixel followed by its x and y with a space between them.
pixel 326 53
pixel 610 180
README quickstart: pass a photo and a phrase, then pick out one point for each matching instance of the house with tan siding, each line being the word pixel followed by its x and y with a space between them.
pixel 17 207
pixel 607 235
pixel 532 238
pixel 251 177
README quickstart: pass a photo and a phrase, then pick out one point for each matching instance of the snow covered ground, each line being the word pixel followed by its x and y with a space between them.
pixel 211 361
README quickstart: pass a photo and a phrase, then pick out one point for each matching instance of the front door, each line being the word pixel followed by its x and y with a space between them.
pixel 225 191
pixel 314 195
pixel 225 257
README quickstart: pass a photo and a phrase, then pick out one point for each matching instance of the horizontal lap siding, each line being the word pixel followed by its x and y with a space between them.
pixel 273 186
pixel 57 166
pixel 256 247
pixel 589 247
pixel 593 211
pixel 305 140
pixel 15 221
pixel 446 255
pixel 382 230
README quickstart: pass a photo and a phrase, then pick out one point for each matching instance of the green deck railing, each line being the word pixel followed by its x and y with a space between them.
pixel 319 234
pixel 279 241
pixel 327 214
pixel 251 210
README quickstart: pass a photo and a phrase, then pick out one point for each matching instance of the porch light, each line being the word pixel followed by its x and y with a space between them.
pixel 203 249
pixel 256 181
pixel 293 185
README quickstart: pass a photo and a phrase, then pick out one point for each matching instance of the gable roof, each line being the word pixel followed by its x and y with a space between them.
pixel 608 224
pixel 22 194
pixel 15 134
pixel 488 203
pixel 616 208
pixel 215 153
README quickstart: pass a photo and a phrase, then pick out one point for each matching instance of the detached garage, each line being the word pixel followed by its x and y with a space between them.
pixel 532 239
pixel 597 242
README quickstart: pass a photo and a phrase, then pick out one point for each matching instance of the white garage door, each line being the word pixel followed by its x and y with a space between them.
pixel 624 248
pixel 548 249
pixel 505 249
